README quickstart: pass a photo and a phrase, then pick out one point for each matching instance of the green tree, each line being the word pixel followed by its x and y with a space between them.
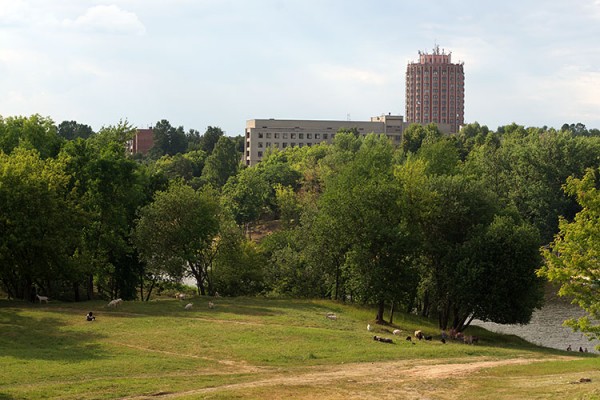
pixel 362 201
pixel 168 140
pixel 39 225
pixel 35 132
pixel 479 259
pixel 71 130
pixel 211 138
pixel 110 188
pixel 414 136
pixel 222 163
pixel 175 234
pixel 571 260
pixel 245 196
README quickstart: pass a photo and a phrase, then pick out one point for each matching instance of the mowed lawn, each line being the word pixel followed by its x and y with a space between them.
pixel 256 348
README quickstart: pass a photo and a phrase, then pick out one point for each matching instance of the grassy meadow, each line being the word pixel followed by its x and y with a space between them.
pixel 256 348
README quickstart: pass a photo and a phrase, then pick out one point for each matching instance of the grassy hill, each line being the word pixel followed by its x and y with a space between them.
pixel 251 348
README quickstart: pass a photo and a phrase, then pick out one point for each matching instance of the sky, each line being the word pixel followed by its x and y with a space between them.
pixel 200 63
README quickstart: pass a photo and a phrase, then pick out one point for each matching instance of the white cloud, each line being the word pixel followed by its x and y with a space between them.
pixel 107 18
pixel 350 74
pixel 576 90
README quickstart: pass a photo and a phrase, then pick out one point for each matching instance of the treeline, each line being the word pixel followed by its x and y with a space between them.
pixel 446 226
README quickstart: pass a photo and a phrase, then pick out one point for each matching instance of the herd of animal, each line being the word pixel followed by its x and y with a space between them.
pixel 419 335
pixel 117 302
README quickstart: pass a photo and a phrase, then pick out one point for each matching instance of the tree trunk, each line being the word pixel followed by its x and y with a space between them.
pixel 150 290
pixel 76 291
pixel 90 287
pixel 392 312
pixel 380 311
pixel 337 280
pixel 425 309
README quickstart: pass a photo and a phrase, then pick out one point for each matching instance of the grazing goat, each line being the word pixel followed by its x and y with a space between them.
pixel 42 298
pixel 331 316
pixel 419 335
pixel 115 303
pixel 211 304
pixel 396 332
pixel 180 296
pixel 188 306
pixel 369 327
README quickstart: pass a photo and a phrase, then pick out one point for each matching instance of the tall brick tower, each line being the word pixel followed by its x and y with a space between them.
pixel 435 90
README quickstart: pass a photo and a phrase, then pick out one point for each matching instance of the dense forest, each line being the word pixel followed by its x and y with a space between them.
pixel 449 227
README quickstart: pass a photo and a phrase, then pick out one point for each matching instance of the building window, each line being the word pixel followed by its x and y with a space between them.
pixel 317 136
pixel 325 136
pixel 292 136
pixel 276 135
pixel 260 153
pixel 285 135
pixel 260 144
pixel 260 135
pixel 268 144
pixel 284 145
pixel 309 135
pixel 301 136
pixel 268 135
pixel 276 145
pixel 300 144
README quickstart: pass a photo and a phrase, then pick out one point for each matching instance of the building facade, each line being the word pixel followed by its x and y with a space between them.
pixel 435 90
pixel 262 134
pixel 142 142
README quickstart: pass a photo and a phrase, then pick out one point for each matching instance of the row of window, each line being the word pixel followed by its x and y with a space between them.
pixel 261 145
pixel 293 135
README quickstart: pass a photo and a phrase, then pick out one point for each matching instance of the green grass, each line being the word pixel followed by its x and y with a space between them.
pixel 158 348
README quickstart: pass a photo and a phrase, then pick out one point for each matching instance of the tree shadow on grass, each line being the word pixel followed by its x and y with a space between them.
pixel 28 337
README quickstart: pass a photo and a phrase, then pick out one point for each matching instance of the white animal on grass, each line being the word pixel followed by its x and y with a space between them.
pixel 332 316
pixel 115 303
pixel 42 298
pixel 369 328
pixel 396 332
pixel 180 296
pixel 188 306
pixel 211 304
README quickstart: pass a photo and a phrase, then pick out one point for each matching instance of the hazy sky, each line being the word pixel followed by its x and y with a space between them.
pixel 219 62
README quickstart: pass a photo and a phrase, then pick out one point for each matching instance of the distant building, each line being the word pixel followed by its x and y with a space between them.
pixel 282 133
pixel 435 90
pixel 142 142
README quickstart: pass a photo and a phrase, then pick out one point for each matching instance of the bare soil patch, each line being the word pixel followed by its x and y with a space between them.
pixel 375 373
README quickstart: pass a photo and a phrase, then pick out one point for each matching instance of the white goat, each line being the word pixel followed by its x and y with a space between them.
pixel 332 316
pixel 42 298
pixel 188 306
pixel 211 304
pixel 180 296
pixel 115 303
pixel 396 332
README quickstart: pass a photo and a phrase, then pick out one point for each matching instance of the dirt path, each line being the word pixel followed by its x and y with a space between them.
pixel 391 372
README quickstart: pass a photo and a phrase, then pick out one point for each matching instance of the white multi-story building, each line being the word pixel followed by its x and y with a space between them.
pixel 282 133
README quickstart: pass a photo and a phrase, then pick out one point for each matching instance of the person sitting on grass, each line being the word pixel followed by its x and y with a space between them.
pixel 90 316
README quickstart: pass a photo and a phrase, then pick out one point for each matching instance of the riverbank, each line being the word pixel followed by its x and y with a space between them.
pixel 546 326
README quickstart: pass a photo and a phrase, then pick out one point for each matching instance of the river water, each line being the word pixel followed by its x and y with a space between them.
pixel 546 328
